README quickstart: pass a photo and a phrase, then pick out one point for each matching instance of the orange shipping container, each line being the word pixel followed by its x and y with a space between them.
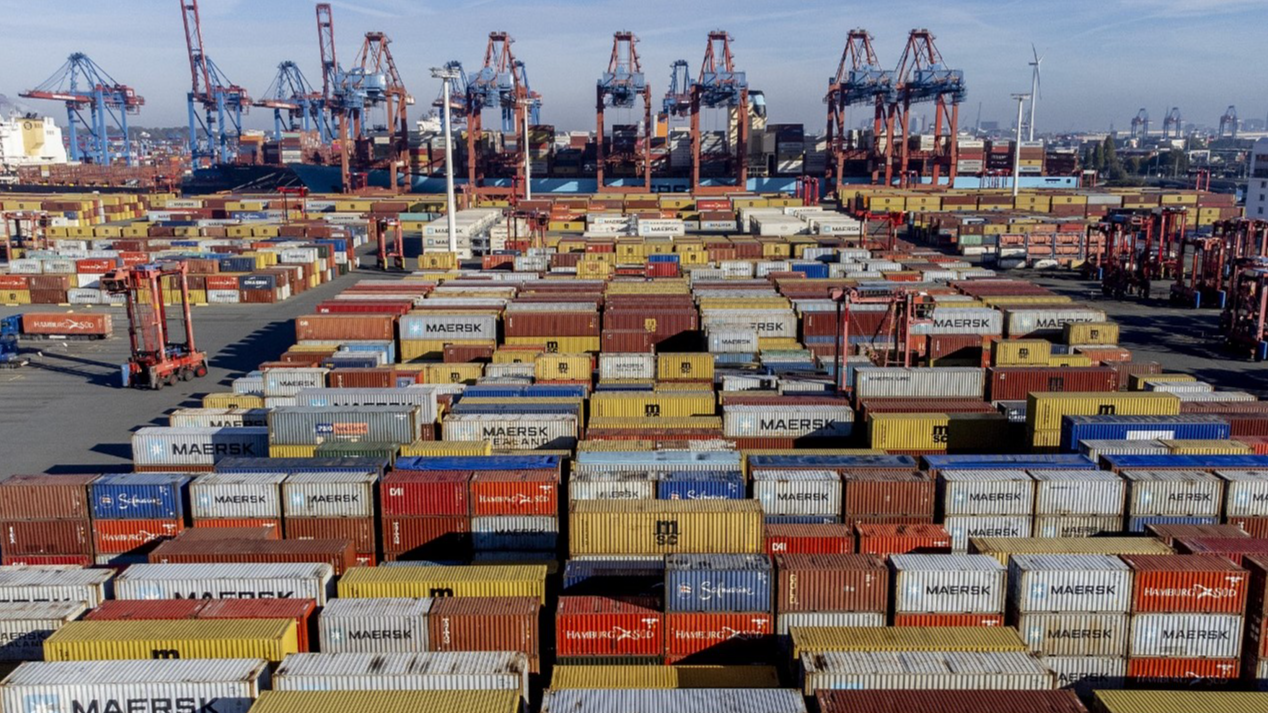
pixel 344 326
pixel 66 324
pixel 1187 583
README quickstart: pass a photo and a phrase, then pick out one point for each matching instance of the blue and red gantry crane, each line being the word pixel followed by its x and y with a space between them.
pixel 222 102
pixel 620 87
pixel 296 105
pixel 84 86
pixel 720 86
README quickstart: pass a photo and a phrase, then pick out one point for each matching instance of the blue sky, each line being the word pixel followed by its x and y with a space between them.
pixel 1103 59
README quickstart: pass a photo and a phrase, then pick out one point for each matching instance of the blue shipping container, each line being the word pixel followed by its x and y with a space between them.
pixel 139 496
pixel 802 520
pixel 257 282
pixel 1138 524
pixel 1185 462
pixel 717 583
pixel 606 578
pixel 705 485
pixel 237 264
pixel 478 463
pixel 813 270
pixel 1061 461
pixel 663 257
pixel 1128 428
pixel 349 361
pixel 830 462
pixel 302 465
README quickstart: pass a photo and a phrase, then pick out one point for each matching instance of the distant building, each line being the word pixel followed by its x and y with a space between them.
pixel 1257 187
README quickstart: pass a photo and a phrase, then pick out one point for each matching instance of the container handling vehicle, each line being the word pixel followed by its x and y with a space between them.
pixel 156 360
pixel 10 357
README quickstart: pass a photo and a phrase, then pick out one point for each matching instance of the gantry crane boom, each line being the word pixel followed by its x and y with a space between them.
pixel 922 77
pixel 720 85
pixel 223 102
pixel 81 84
pixel 620 87
pixel 859 80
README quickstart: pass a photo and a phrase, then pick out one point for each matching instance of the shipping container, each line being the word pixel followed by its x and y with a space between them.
pixel 1085 674
pixel 227 581
pixel 692 700
pixel 431 671
pixel 230 685
pixel 163 446
pixel 269 639
pixel 883 492
pixel 787 421
pixel 718 583
pixel 797 492
pixel 25 625
pixel 329 495
pixel 1110 427
pixel 663 677
pixel 884 539
pixel 831 583
pixel 38 584
pixel 962 529
pixel 1078 492
pixel 1169 701
pixel 487 624
pixel 1002 548
pixel 598 626
pixel 471 581
pixel 942 701
pixel 1069 583
pixel 139 496
pixel 719 637
pixel 374 625
pixel 1181 493
pixel 665 526
pixel 303 611
pixel 1187 583
pixel 889 382
pixel 942 670
pixel 236 495
pixel 809 539
pixel 45 497
pixel 948 584
pixel 1187 635
pixel 897 639
pixel 986 492
pixel 410 701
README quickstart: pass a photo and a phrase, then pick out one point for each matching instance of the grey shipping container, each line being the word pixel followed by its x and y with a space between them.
pixel 420 395
pixel 1186 636
pixel 42 584
pixel 417 671
pixel 1078 492
pixel 1069 583
pixel 986 492
pixel 236 495
pixel 166 446
pixel 25 625
pixel 682 700
pixel 963 528
pixel 1075 633
pixel 174 685
pixel 1189 493
pixel 291 580
pixel 313 425
pixel 374 625
pixel 329 495
pixel 880 382
pixel 948 584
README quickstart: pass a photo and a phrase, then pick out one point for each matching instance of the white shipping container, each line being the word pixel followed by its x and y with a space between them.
pixel 513 431
pixel 1184 493
pixel 236 495
pixel 1245 492
pixel 986 492
pixel 948 584
pixel 1069 583
pixel 289 381
pixel 19 583
pixel 502 371
pixel 1085 674
pixel 732 341
pixel 417 671
pixel 288 580
pixel 139 686
pixel 163 446
pixel 1078 492
pixel 612 486
pixel 739 421
pixel 677 700
pixel 252 383
pixel 798 492
pixel 1216 396
pixel 1074 633
pixel 766 322
pixel 626 366
pixel 374 625
pixel 731 382
pixel 329 494
pixel 1178 387
pixel 1035 322
pixel 420 395
pixel 1094 448
pixel 1186 636
pixel 962 320
pixel 960 382
pixel 786 621
pixel 923 670
pixel 449 327
pixel 218 418
pixel 963 528
pixel 25 625
pixel 1076 525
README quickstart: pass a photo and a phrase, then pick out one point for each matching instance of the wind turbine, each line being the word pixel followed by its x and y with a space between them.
pixel 1034 88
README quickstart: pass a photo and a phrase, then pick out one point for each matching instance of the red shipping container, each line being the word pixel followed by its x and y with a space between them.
pixel 338 553
pixel 1232 548
pixel 14 282
pixel 552 324
pixel 342 326
pixel 226 533
pixel 66 324
pixel 486 624
pixel 957 346
pixel 1254 526
pixel 1015 382
pixel 222 282
pixel 272 527
pixel 1186 672
pixel 1187 583
pixel 888 492
pixel 1258 444
pixel 396 307
pixel 121 536
pixel 47 560
pixel 837 583
pixel 45 497
pixel 436 492
pixel 948 620
pixel 598 626
pixel 809 539
pixel 719 637
pixel 94 266
pixel 1248 424
pixel 626 341
pixel 465 354
pixel 885 540
pixel 382 377
pixel 360 531
pixel 514 493
pixel 444 537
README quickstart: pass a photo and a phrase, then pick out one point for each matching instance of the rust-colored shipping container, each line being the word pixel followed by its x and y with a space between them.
pixel 1170 533
pixel 345 326
pixel 45 497
pixel 809 539
pixel 47 560
pixel 269 528
pixel 887 539
pixel 1232 548
pixel 973 701
pixel 836 583
pixel 497 492
pixel 1245 424
pixel 422 537
pixel 431 492
pixel 65 324
pixel 46 537
pixel 966 348
pixel 888 492
pixel 599 626
pixel 379 377
pixel 487 624
pixel 337 553
pixel 1013 383
pixel 727 638
pixel 1182 672
pixel 303 611
pixel 136 536
pixel 948 620
pixel 1187 583
pixel 552 324
pixel 1258 444
pixel 467 353
pixel 1254 526
pixel 626 341
pixel 359 531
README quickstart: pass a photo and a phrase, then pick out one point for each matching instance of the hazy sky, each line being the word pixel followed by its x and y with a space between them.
pixel 1103 59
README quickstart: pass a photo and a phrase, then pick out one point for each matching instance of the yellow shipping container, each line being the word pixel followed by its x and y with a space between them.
pixel 995 639
pixel 684 367
pixel 1003 548
pixel 437 449
pixel 517 356
pixel 437 261
pixel 1180 701
pixel 458 581
pixel 774 343
pixel 750 303
pixel 648 527
pixel 563 367
pixel 685 423
pixel 15 297
pixel 453 373
pixel 269 639
pixel 1137 382
pixel 683 386
pixel 469 701
pixel 659 287
pixel 227 400
pixel 1045 409
pixel 651 405
pixel 302 451
pixel 1021 352
pixel 1070 360
pixel 663 677
pixel 592 269
pixel 937 431
pixel 1091 333
pixel 1017 301
pixel 1206 448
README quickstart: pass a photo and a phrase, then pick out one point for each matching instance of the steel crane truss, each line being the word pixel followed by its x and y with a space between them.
pixel 620 87
pixel 83 85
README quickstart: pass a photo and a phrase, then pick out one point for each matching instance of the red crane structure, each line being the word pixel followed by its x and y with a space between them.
pixel 156 360
pixel 720 86
pixel 620 87
pixel 223 102
pixel 921 77
pixel 859 80
pixel 496 84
